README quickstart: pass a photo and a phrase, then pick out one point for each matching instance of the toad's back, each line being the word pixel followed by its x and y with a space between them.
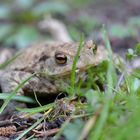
pixel 43 56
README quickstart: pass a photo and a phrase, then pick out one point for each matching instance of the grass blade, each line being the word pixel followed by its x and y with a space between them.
pixel 72 78
pixel 29 129
pixel 20 98
pixel 111 74
pixel 36 109
pixel 94 135
pixel 2 66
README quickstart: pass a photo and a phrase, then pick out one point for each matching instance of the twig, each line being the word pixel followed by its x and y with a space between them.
pixel 48 132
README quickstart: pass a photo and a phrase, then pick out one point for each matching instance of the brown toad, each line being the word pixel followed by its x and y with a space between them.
pixel 55 60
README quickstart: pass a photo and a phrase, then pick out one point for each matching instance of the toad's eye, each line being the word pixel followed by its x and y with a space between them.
pixel 60 58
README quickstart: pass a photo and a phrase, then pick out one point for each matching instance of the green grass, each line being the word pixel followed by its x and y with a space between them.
pixel 35 110
pixel 21 98
pixel 116 107
pixel 72 78
pixel 95 133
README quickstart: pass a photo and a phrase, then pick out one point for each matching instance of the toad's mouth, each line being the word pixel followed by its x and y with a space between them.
pixel 68 73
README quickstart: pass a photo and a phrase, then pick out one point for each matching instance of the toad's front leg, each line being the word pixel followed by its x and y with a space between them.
pixel 41 85
pixel 37 84
pixel 9 80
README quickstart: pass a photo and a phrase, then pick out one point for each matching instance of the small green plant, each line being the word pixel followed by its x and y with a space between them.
pixel 132 53
pixel 114 109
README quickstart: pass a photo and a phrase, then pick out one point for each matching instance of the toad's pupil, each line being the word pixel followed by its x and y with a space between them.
pixel 61 58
